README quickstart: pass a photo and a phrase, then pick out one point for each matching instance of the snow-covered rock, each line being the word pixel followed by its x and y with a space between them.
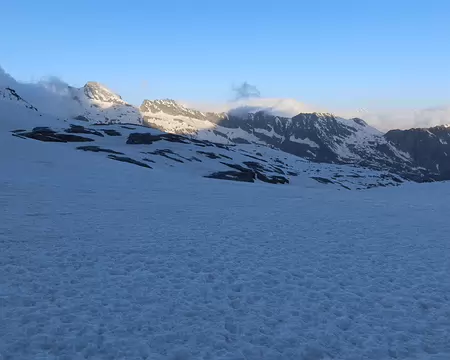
pixel 96 103
pixel 9 94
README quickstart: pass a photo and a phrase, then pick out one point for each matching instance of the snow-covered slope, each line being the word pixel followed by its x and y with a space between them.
pixel 102 259
pixel 317 137
pixel 170 116
pixel 9 94
pixel 92 103
pixel 314 136
pixel 97 104
pixel 184 156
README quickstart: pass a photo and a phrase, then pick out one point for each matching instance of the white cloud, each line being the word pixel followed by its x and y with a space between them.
pixel 281 107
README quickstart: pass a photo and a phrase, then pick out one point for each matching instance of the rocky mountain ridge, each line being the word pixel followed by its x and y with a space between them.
pixel 318 137
pixel 415 154
pixel 182 156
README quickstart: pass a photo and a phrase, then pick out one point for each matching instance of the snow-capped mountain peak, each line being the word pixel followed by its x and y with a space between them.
pixel 98 92
pixel 95 103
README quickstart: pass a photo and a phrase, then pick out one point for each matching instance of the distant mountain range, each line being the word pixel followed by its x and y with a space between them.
pixel 415 154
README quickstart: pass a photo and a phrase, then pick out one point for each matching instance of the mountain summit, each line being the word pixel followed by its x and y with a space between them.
pixel 98 92
pixel 96 103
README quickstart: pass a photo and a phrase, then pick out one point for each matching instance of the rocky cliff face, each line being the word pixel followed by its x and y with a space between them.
pixel 429 148
pixel 321 137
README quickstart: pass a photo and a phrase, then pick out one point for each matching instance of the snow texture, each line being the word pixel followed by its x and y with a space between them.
pixel 104 260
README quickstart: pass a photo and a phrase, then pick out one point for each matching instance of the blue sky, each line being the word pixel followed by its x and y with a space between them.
pixel 334 53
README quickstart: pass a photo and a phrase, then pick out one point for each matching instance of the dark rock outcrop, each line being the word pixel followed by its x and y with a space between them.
pixel 210 155
pixel 128 160
pixel 48 135
pixel 143 138
pixel 98 149
pixel 111 132
pixel 81 118
pixel 175 138
pixel 255 170
pixel 167 154
pixel 148 138
pixel 274 179
pixel 78 129
pixel 322 180
pixel 233 175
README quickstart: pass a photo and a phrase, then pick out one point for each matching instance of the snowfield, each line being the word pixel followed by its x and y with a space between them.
pixel 105 260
